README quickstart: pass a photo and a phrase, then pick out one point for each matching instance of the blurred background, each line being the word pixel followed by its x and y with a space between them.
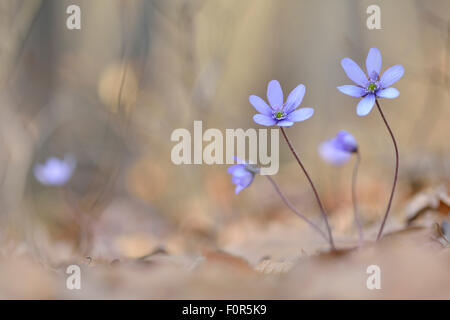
pixel 111 94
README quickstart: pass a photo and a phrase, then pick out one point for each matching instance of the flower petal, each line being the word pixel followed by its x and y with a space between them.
pixel 345 141
pixel 234 167
pixel 238 189
pixel 354 72
pixel 275 94
pixel 389 93
pixel 365 105
pixel 242 182
pixel 391 75
pixel 285 123
pixel 264 120
pixel 295 98
pixel 246 180
pixel 236 180
pixel 240 179
pixel 330 154
pixel 239 161
pixel 260 105
pixel 351 90
pixel 373 63
pixel 300 114
pixel 240 172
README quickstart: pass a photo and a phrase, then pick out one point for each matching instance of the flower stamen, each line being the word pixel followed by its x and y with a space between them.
pixel 279 115
pixel 372 87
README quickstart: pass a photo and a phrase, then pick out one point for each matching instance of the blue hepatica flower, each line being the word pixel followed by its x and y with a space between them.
pixel 338 149
pixel 281 113
pixel 372 86
pixel 55 172
pixel 242 175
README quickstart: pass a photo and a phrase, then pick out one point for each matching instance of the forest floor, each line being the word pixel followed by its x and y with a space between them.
pixel 278 259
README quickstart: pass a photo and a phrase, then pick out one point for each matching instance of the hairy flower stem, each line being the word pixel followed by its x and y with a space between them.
pixel 290 206
pixel 395 176
pixel 322 210
pixel 355 206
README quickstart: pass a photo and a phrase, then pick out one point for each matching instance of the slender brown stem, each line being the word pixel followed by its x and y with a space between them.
pixel 355 205
pixel 84 241
pixel 289 204
pixel 395 176
pixel 322 210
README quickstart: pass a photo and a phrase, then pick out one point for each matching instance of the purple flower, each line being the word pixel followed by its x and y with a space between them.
pixel 281 113
pixel 242 175
pixel 339 149
pixel 55 172
pixel 372 86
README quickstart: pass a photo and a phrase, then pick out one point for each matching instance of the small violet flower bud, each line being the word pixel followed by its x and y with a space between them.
pixel 339 149
pixel 242 175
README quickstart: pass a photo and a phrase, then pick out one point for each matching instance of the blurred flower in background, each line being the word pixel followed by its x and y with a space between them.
pixel 338 149
pixel 55 172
